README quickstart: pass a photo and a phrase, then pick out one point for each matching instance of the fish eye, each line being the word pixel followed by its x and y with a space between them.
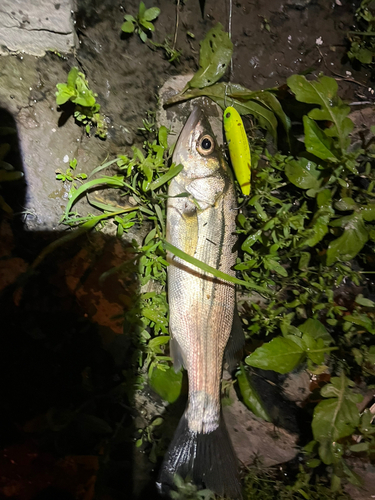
pixel 205 145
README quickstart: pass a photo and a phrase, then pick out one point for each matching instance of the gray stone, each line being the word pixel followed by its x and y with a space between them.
pixel 36 26
pixel 255 439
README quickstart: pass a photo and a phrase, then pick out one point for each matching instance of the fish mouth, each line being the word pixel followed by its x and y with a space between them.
pixel 185 141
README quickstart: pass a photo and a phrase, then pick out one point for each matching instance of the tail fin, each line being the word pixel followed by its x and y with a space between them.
pixel 207 459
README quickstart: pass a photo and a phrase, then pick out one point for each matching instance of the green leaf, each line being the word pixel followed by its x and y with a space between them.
pixel 141 10
pixel 250 396
pixel 303 173
pixel 361 320
pixel 316 330
pixel 107 181
pixel 151 14
pixel 72 77
pixel 143 36
pixel 147 25
pixel 336 417
pixel 357 448
pixel 211 270
pixel 85 96
pixel 323 92
pixel 265 97
pixel 217 93
pixel 362 301
pixel 172 172
pixel 316 142
pixel 347 246
pixel 127 27
pixel 214 57
pixel 163 137
pixel 64 93
pixel 280 355
pixel 368 212
pixel 167 383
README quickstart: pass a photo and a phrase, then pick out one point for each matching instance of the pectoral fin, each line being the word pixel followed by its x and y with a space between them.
pixel 233 350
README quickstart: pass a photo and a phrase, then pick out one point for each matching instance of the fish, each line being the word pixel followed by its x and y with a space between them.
pixel 201 221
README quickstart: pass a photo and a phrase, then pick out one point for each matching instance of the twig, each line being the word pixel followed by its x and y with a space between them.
pixel 177 22
pixel 337 74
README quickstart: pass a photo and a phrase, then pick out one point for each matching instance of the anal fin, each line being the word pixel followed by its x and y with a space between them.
pixel 176 354
pixel 233 350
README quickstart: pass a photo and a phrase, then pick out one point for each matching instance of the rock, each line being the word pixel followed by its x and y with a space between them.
pixel 255 439
pixel 175 116
pixel 35 27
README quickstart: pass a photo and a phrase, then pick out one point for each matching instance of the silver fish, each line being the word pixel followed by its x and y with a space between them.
pixel 201 307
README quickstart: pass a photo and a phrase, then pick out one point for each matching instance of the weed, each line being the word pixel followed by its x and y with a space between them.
pixel 141 24
pixel 87 109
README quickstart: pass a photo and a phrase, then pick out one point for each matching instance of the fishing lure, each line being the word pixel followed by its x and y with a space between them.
pixel 238 146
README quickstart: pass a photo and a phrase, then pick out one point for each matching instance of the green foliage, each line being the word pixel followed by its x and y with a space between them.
pixel 250 396
pixel 141 24
pixel 214 57
pixel 362 41
pixel 70 175
pixel 87 109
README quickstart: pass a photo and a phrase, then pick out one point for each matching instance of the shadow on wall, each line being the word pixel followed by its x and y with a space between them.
pixel 65 363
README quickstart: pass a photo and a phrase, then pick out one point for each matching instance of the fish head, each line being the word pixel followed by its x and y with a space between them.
pixel 197 149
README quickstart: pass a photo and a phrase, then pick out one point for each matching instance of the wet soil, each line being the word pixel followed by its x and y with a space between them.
pixel 69 417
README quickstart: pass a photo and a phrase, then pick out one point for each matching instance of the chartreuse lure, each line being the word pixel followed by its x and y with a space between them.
pixel 238 148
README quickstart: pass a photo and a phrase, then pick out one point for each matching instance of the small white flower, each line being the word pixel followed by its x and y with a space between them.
pixel 319 41
pixel 348 73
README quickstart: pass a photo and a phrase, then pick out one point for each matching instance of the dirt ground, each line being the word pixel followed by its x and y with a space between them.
pixel 63 357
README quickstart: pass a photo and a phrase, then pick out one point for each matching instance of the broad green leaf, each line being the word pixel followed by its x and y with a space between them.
pixel 250 396
pixel 368 212
pixel 323 92
pixel 347 246
pixel 316 142
pixel 361 320
pixel 141 10
pixel 345 204
pixel 281 355
pixel 64 93
pixel 72 77
pixel 85 97
pixel 336 417
pixel 320 229
pixel 316 330
pixel 143 36
pixel 267 98
pixel 214 57
pixel 147 25
pixel 127 27
pixel 155 315
pixel 303 173
pixel 362 301
pixel 167 383
pixel 314 348
pixel 151 14
pixel 217 93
